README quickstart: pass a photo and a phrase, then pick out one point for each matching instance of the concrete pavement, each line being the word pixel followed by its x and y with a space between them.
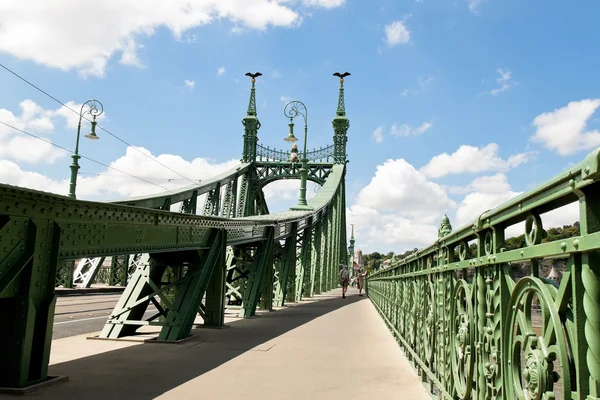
pixel 323 348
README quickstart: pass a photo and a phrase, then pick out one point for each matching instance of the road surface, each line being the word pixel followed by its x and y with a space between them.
pixel 76 315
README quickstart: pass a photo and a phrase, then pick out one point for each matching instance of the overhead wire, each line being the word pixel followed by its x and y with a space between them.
pixel 147 177
pixel 83 156
pixel 98 126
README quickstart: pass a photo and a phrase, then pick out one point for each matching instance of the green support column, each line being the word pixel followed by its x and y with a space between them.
pixel 188 298
pixel 304 285
pixel 324 270
pixel 316 257
pixel 134 301
pixel 118 271
pixel 287 263
pixel 262 257
pixel 290 294
pixel 27 304
pixel 331 267
pixel 214 311
pixel 266 297
pixel 585 270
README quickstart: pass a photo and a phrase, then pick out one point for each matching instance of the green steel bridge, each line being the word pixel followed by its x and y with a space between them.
pixel 463 318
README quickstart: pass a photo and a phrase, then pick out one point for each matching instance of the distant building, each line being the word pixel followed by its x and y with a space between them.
pixel 359 261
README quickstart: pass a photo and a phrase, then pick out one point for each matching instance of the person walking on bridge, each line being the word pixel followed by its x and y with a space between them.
pixel 344 280
pixel 360 280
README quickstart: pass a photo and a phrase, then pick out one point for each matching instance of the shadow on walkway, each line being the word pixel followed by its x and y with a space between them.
pixel 147 370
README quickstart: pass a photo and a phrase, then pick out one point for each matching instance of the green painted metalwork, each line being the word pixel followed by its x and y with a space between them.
pixel 474 329
pixel 266 154
pixel 288 263
pixel 291 111
pixel 95 109
pixel 65 273
pixel 263 255
pixel 232 253
pixel 341 124
pixel 119 271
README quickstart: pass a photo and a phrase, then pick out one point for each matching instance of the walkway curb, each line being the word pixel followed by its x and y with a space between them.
pixel 86 291
pixel 51 381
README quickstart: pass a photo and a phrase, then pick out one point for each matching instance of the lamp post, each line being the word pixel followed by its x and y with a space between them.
pixel 291 111
pixel 94 108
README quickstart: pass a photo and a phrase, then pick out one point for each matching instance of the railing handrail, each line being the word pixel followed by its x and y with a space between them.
pixel 554 193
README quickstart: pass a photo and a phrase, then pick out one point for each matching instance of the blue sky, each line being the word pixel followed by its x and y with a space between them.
pixel 428 77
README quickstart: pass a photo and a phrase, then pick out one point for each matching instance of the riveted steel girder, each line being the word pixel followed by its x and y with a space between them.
pixel 288 261
pixel 262 257
pixel 27 299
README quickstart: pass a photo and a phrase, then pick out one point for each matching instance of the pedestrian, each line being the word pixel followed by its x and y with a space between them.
pixel 344 280
pixel 361 280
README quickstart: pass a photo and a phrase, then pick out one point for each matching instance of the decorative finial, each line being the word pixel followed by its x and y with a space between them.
pixel 253 76
pixel 252 102
pixel 445 227
pixel 341 109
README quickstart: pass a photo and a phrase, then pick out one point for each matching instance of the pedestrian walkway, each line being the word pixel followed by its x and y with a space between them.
pixel 322 348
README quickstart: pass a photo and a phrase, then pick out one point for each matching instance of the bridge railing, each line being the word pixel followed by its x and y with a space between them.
pixel 474 329
pixel 318 155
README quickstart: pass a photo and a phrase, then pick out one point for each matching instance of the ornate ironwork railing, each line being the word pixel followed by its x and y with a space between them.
pixel 268 154
pixel 474 329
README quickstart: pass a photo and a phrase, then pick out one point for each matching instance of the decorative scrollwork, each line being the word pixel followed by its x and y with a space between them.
pixel 463 339
pixel 412 316
pixel 529 358
pixel 534 231
pixel 92 107
pixel 463 250
pixel 488 243
pixel 429 331
pixel 316 155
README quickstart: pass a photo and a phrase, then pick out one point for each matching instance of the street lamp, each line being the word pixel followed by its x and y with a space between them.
pixel 94 108
pixel 292 110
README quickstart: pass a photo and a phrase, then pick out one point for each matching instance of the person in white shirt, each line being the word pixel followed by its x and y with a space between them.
pixel 344 280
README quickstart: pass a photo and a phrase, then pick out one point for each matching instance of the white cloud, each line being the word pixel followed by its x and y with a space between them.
pixel 276 74
pixel 406 130
pixel 423 84
pixel 285 99
pixel 375 231
pixel 474 4
pixel 398 186
pixel 397 33
pixel 323 3
pixel 504 81
pixel 564 130
pixel 110 184
pixel 398 208
pixel 473 159
pixel 378 134
pixel 488 192
pixel 36 120
pixel 60 36
pixel 189 84
pixel 284 194
pixel 221 71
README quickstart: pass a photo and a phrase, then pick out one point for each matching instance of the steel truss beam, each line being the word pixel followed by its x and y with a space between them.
pixel 267 172
pixel 27 299
pixel 179 312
